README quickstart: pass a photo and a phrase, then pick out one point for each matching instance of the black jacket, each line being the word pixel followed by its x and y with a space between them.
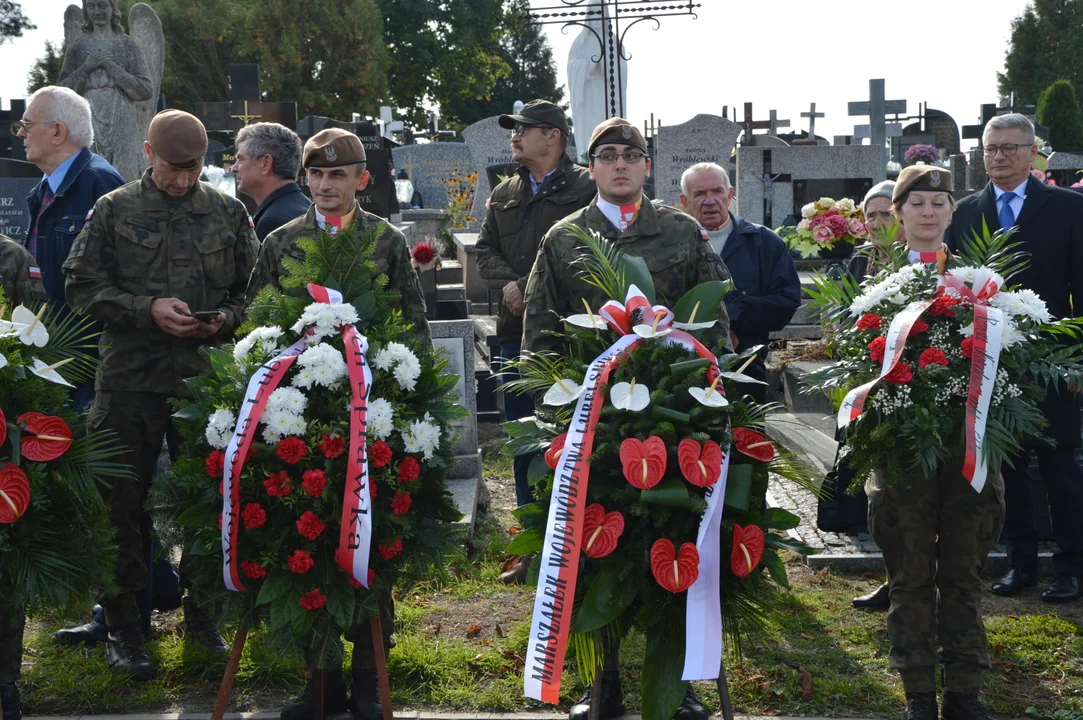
pixel 278 208
pixel 1051 231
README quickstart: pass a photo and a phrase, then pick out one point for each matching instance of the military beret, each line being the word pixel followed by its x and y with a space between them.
pixel 880 189
pixel 333 147
pixel 537 112
pixel 178 137
pixel 931 178
pixel 616 130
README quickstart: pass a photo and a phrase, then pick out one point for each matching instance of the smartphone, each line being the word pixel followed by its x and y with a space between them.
pixel 206 315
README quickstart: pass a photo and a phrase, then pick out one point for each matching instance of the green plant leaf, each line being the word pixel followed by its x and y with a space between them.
pixel 705 299
pixel 526 542
pixel 275 587
pixel 607 597
pixel 670 492
pixel 663 689
pixel 633 270
pixel 779 519
pixel 340 603
pixel 739 487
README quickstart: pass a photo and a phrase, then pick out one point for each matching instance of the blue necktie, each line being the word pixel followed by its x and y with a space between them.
pixel 1006 215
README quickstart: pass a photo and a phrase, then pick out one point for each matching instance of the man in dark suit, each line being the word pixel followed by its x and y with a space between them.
pixel 268 160
pixel 1049 224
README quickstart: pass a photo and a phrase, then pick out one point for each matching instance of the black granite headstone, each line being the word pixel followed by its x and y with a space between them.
pixel 17 179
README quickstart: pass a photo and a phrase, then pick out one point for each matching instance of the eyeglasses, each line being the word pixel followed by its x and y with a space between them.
pixel 609 158
pixel 1008 149
pixel 27 124
pixel 521 129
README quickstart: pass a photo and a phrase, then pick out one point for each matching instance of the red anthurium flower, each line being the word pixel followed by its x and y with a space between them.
pixel 700 466
pixel 601 531
pixel 644 461
pixel 674 571
pixel 552 455
pixel 756 446
pixel 747 549
pixel 14 493
pixel 45 438
pixel 3 427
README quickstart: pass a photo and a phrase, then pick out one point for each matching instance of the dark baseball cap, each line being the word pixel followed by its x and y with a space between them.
pixel 537 112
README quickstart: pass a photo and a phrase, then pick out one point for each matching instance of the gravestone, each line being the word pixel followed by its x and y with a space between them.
pixel 704 138
pixel 11 146
pixel 455 339
pixel 774 182
pixel 876 108
pixel 246 104
pixel 17 179
pixel 489 144
pixel 430 166
pixel 1065 168
pixel 378 195
pixel 957 165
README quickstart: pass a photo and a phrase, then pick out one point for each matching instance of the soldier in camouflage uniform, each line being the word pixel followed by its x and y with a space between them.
pixel 935 531
pixel 153 254
pixel 20 276
pixel 334 162
pixel 671 243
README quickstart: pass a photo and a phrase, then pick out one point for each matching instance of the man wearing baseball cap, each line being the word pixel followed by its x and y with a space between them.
pixel 547 187
pixel 334 163
pixel 151 255
pixel 672 246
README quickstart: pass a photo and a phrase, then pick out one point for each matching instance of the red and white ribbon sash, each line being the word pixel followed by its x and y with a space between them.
pixel 355 538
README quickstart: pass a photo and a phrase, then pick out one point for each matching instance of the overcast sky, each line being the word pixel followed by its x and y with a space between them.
pixel 776 54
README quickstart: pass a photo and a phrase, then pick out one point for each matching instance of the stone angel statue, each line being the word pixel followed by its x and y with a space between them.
pixel 587 88
pixel 120 75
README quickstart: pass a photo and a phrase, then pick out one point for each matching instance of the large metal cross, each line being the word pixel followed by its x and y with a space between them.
pixel 616 18
pixel 812 115
pixel 876 108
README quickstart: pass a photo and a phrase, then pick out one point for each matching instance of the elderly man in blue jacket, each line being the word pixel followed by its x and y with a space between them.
pixel 766 291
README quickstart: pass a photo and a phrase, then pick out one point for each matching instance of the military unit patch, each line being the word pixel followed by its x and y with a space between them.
pixel 35 273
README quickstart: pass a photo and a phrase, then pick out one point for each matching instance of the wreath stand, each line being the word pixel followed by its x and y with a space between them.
pixel 230 675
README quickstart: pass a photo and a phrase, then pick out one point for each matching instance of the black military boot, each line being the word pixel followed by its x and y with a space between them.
pixel 92 633
pixel 365 698
pixel 124 649
pixel 9 698
pixel 691 708
pixel 200 628
pixel 611 699
pixel 334 697
pixel 921 706
pixel 963 706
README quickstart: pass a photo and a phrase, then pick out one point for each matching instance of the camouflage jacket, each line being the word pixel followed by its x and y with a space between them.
pixel 392 258
pixel 669 241
pixel 19 275
pixel 139 245
pixel 514 225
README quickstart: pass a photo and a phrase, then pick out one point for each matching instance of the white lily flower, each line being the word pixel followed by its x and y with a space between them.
pixel 630 396
pixel 564 391
pixel 33 331
pixel 48 372
pixel 708 396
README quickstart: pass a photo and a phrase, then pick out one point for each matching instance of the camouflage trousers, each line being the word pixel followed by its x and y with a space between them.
pixel 140 421
pixel 12 622
pixel 935 535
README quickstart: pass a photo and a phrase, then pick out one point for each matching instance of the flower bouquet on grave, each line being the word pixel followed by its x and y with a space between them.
pixel 934 366
pixel 826 225
pixel 314 453
pixel 921 153
pixel 650 485
pixel 55 535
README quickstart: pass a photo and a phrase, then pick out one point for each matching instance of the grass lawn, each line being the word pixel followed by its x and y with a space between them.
pixel 460 647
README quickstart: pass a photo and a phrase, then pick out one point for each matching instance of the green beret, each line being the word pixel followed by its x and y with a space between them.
pixel 616 130
pixel 179 138
pixel 930 178
pixel 333 147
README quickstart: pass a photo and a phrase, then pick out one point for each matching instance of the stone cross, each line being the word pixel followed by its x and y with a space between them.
pixel 246 105
pixel 774 123
pixel 876 107
pixel 1014 106
pixel 812 115
pixel 974 132
pixel 751 124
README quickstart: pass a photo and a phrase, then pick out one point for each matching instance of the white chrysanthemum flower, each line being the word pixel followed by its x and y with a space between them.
pixel 320 365
pixel 380 418
pixel 407 372
pixel 388 356
pixel 304 378
pixel 422 436
pixel 324 319
pixel 220 427
pixel 280 423
pixel 890 289
pixel 1024 303
pixel 266 338
pixel 288 400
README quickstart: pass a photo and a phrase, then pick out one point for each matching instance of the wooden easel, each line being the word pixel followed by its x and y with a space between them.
pixel 318 678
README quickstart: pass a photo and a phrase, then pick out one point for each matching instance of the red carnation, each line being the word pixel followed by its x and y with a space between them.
pixel 372 489
pixel 278 484
pixel 253 570
pixel 216 463
pixel 251 452
pixel 314 481
pixel 310 526
pixel 876 349
pixel 423 253
pixel 942 306
pixel 291 450
pixel 358 586
pixel 899 375
pixel 401 504
pixel 300 562
pixel 389 550
pixel 932 356
pixel 313 600
pixel 409 469
pixel 869 321
pixel 380 454
pixel 332 446
pixel 254 516
pixel 967 347
pixel 919 327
